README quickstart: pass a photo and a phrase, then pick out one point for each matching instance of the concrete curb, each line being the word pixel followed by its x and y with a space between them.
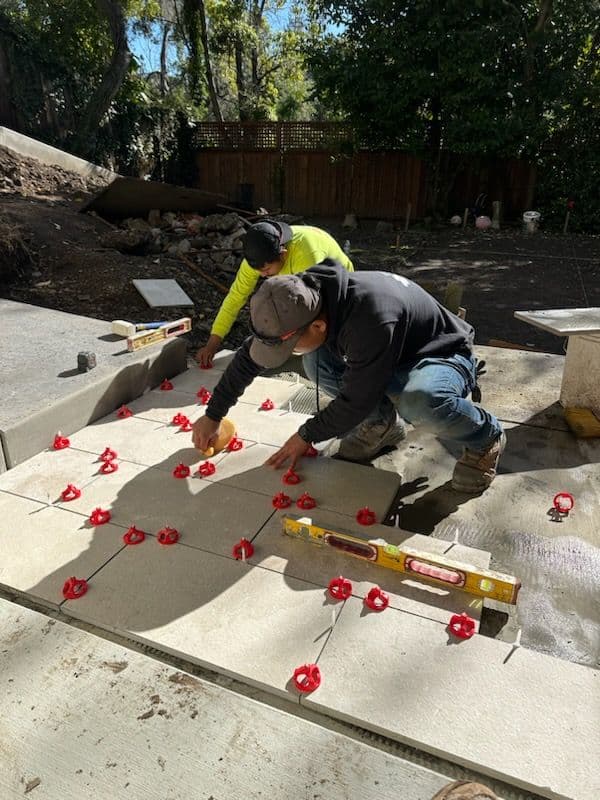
pixel 32 148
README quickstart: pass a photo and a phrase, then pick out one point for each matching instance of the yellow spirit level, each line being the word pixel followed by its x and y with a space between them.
pixel 430 567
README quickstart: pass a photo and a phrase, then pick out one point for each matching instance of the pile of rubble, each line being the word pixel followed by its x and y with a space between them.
pixel 214 241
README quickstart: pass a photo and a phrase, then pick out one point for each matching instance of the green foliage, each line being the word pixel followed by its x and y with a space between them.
pixel 481 78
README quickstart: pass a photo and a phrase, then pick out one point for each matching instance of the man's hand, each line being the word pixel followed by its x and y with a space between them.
pixel 204 433
pixel 205 355
pixel 293 449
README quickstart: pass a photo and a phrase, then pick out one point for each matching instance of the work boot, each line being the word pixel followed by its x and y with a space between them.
pixel 371 436
pixel 464 790
pixel 476 469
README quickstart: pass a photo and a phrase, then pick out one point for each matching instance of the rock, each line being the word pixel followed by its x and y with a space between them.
pixel 184 246
pixel 154 219
pixel 350 222
pixel 168 218
pixel 135 242
pixel 200 242
pixel 137 224
pixel 384 227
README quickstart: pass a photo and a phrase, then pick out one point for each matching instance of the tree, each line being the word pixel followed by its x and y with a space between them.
pixel 84 140
pixel 475 79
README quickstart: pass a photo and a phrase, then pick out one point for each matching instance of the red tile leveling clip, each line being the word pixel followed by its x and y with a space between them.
pixel 305 501
pixel 462 626
pixel 365 516
pixel 99 516
pixel 204 395
pixel 70 493
pixel 166 385
pixel 307 678
pixel 181 471
pixel 290 478
pixel 134 536
pixel 234 445
pixel 377 599
pixel 168 535
pixel 124 412
pixel 206 469
pixel 108 455
pixel 60 442
pixel 267 405
pixel 281 500
pixel 340 588
pixel 242 550
pixel 108 467
pixel 563 502
pixel 74 588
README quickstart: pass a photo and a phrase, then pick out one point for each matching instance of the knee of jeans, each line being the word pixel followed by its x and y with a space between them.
pixel 420 406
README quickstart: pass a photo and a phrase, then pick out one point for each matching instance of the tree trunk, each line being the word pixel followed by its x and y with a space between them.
pixel 210 79
pixel 240 81
pixel 164 80
pixel 84 141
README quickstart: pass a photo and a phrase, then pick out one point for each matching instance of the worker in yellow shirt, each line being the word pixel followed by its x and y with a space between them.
pixel 270 248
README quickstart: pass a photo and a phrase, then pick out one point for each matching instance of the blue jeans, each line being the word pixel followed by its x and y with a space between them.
pixel 431 393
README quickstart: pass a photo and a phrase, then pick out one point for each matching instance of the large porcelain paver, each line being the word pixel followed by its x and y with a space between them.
pixel 44 476
pixel 266 427
pixel 194 377
pixel 278 391
pixel 521 718
pixel 206 514
pixel 335 485
pixel 223 614
pixel 311 562
pixel 42 546
pixel 142 441
pixel 163 406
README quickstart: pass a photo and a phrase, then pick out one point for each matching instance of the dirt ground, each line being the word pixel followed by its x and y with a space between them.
pixel 63 264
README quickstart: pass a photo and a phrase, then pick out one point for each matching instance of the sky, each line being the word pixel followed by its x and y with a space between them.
pixel 146 49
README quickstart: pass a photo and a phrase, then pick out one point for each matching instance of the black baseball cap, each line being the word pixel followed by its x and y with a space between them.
pixel 263 242
pixel 280 311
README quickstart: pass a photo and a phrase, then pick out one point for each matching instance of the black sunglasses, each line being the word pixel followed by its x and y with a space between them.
pixel 275 340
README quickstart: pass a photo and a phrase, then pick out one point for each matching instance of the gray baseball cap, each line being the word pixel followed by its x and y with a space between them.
pixel 280 311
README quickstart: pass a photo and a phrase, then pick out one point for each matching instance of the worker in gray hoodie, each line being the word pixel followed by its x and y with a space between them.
pixel 384 349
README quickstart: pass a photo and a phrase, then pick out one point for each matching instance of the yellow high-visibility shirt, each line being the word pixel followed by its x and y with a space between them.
pixel 308 247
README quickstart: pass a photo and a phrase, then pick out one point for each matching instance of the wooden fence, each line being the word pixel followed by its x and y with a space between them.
pixel 315 169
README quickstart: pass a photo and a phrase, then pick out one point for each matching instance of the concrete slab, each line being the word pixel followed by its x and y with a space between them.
pixel 564 321
pixel 557 562
pixel 242 621
pixel 32 148
pixel 43 546
pixel 194 506
pixel 97 716
pixel 40 396
pixel 162 293
pixel 335 485
pixel 520 717
pixel 298 559
pixel 522 387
